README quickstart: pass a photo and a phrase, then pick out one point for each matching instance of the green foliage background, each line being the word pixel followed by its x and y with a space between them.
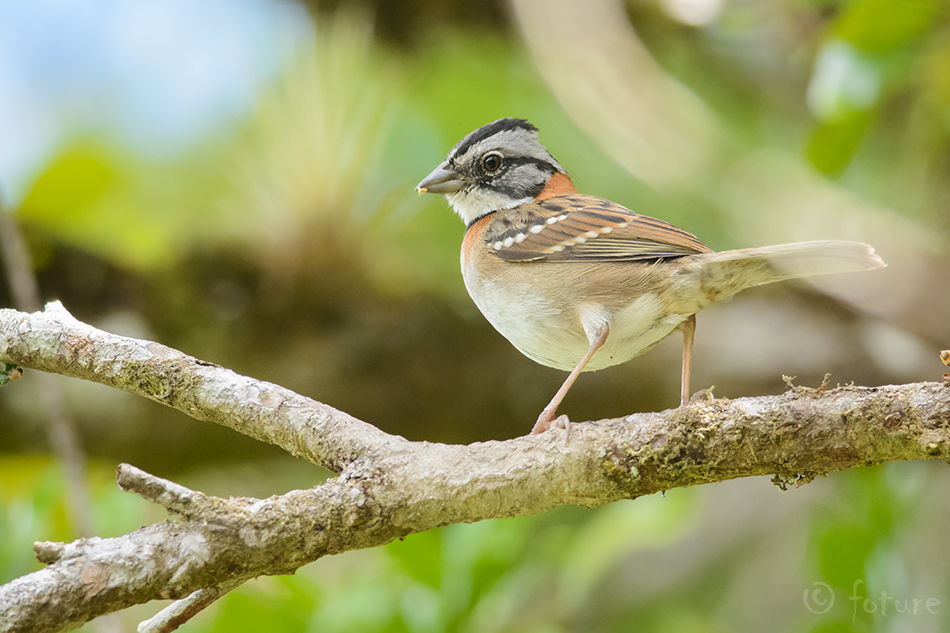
pixel 287 243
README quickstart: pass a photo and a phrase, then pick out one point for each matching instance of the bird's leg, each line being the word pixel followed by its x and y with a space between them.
pixel 689 328
pixel 547 415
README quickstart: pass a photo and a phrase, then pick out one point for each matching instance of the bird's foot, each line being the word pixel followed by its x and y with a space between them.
pixel 547 421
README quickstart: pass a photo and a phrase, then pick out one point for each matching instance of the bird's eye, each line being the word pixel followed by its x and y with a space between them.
pixel 492 162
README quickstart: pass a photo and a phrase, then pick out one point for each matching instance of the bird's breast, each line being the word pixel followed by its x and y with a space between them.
pixel 549 318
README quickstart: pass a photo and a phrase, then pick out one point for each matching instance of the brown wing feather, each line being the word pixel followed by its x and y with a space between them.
pixel 585 228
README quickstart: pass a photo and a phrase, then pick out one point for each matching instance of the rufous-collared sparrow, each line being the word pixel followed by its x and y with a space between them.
pixel 580 283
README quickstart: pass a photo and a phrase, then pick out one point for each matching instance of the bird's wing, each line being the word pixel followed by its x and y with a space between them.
pixel 585 228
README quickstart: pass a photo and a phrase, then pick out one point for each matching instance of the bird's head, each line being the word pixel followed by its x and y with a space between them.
pixel 498 166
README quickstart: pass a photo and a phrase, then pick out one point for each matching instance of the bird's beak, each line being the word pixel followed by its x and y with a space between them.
pixel 441 180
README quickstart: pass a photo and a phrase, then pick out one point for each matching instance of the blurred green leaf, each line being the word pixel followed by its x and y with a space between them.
pixel 845 82
pixel 832 146
pixel 420 556
pixel 356 607
pixel 86 198
pixel 461 564
pixel 882 25
pixel 282 603
pixel 843 553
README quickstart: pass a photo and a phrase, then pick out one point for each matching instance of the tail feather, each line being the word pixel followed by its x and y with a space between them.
pixel 730 272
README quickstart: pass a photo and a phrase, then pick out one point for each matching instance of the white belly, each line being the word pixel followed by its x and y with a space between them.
pixel 550 328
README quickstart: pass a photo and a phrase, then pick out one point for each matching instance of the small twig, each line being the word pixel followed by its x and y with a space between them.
pixel 180 611
pixel 168 494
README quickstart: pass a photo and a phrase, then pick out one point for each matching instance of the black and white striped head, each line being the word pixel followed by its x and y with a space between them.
pixel 498 166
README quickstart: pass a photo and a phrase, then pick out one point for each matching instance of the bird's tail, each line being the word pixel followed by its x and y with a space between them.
pixel 729 272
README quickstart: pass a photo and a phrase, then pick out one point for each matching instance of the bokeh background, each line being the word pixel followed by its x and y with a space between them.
pixel 235 180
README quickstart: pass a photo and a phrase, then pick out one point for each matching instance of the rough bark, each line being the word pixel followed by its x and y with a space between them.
pixel 387 487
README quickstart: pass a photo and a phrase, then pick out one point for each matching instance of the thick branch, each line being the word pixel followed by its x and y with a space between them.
pixel 54 341
pixel 389 487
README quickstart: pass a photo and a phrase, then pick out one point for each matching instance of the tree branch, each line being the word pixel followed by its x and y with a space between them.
pixel 389 487
pixel 54 341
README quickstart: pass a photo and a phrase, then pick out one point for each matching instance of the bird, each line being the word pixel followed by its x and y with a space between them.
pixel 580 283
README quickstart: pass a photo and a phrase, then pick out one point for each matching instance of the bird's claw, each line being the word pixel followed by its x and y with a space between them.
pixel 546 423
